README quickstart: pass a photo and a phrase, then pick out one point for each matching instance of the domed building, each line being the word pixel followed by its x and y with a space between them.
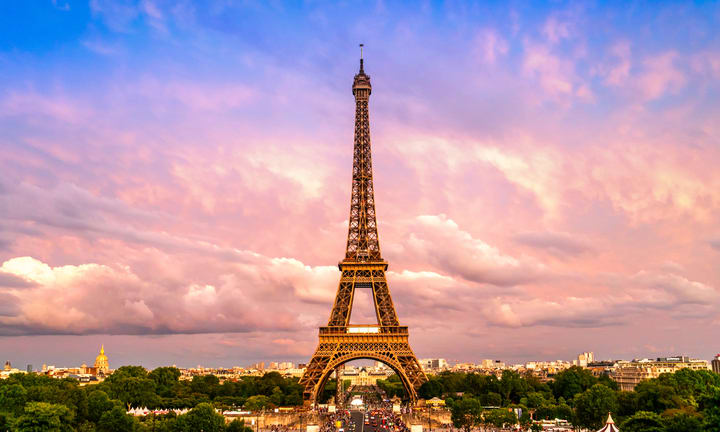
pixel 102 366
pixel 609 425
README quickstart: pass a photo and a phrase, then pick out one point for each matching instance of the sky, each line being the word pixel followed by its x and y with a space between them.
pixel 175 177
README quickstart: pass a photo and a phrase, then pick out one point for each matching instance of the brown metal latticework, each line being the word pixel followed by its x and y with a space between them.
pixel 363 267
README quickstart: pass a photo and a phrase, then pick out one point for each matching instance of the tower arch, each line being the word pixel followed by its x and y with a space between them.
pixel 386 360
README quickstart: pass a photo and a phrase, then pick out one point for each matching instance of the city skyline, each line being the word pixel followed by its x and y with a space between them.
pixel 174 180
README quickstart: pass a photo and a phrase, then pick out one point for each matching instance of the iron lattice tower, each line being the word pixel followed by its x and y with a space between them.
pixel 364 268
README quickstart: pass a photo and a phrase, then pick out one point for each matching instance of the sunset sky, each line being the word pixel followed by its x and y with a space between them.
pixel 175 177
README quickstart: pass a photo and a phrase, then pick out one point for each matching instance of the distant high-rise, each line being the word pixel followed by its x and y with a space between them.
pixel 716 364
pixel 29 368
pixel 8 366
pixel 585 358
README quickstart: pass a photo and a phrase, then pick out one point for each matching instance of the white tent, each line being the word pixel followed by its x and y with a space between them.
pixel 609 425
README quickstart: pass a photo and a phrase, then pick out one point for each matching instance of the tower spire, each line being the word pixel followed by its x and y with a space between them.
pixel 361 58
pixel 362 243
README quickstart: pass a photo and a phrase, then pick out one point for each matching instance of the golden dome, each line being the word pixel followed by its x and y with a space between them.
pixel 101 361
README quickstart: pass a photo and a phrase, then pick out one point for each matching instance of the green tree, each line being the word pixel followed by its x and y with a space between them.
pixel 165 379
pixel 710 406
pixel 593 405
pixel 132 386
pixel 12 398
pixel 465 413
pixel 116 420
pixel 206 384
pixel 683 422
pixel 534 400
pixel 277 397
pixel 44 417
pixel 201 418
pixel 257 403
pixel 430 389
pixel 490 399
pixel 76 399
pixel 98 404
pixel 512 387
pixel 572 381
pixel 656 396
pixel 500 418
pixel 643 421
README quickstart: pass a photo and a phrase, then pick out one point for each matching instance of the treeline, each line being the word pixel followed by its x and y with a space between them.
pixel 680 402
pixel 32 402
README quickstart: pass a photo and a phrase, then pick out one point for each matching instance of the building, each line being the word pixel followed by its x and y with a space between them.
pixel 363 377
pixel 492 364
pixel 585 358
pixel 716 364
pixel 609 425
pixel 9 370
pixel 629 374
pixel 438 364
pixel 599 368
pixel 102 366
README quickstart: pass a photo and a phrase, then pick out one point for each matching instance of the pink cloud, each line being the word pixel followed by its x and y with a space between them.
pixel 660 75
pixel 490 45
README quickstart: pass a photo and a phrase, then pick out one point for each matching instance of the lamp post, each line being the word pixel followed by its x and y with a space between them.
pixel 429 427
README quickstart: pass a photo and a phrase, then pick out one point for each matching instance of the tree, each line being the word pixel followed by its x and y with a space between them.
pixel 430 389
pixel 683 422
pixel 656 396
pixel 12 398
pixel 534 400
pixel 201 418
pixel 572 381
pixel 512 386
pixel 205 384
pixel 98 404
pixel 76 399
pixel 277 397
pixel 257 403
pixel 165 379
pixel 465 413
pixel 593 405
pixel 643 421
pixel 44 417
pixel 500 418
pixel 710 406
pixel 117 420
pixel 132 386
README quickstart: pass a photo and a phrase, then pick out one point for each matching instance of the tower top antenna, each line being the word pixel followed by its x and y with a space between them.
pixel 361 58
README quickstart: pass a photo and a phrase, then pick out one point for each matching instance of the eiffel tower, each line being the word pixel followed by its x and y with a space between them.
pixel 362 268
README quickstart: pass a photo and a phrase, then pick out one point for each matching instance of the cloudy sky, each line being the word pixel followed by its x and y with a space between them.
pixel 175 177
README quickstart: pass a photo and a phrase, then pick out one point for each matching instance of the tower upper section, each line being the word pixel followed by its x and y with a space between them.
pixel 361 84
pixel 363 244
